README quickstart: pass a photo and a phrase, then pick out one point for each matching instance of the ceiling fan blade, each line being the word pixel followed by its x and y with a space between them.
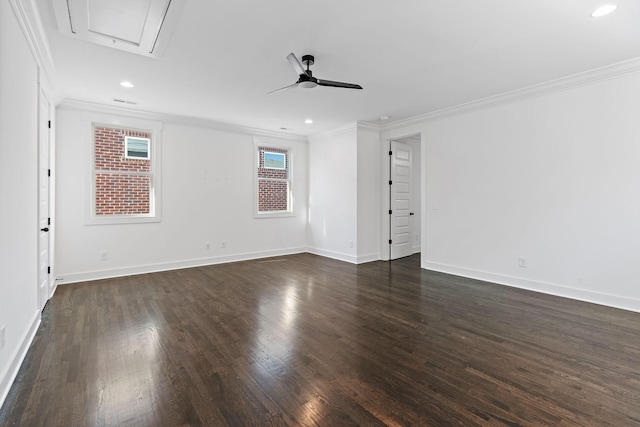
pixel 338 84
pixel 296 64
pixel 282 89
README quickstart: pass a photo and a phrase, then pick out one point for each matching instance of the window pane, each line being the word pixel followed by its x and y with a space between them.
pixel 122 173
pixel 110 150
pixel 273 180
pixel 273 163
pixel 274 160
pixel 118 194
pixel 137 147
pixel 273 196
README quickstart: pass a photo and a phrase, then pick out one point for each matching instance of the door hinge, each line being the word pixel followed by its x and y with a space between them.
pixel 49 124
pixel 390 212
pixel 390 241
pixel 48 270
pixel 390 153
pixel 48 221
pixel 390 182
pixel 48 172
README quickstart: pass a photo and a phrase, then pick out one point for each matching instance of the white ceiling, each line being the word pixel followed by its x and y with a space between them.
pixel 411 57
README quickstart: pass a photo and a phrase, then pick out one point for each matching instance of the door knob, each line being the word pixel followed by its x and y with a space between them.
pixel 45 229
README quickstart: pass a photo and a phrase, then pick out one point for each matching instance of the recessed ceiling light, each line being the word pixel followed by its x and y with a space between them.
pixel 308 121
pixel 603 10
pixel 384 118
pixel 126 84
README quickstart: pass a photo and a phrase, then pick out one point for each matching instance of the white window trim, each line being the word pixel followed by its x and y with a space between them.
pixel 155 149
pixel 290 165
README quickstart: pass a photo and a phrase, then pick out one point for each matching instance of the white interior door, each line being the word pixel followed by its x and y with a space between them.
pixel 43 200
pixel 401 192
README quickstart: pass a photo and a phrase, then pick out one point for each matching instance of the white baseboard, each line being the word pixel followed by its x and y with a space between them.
pixel 367 258
pixel 609 300
pixel 360 259
pixel 7 378
pixel 334 255
pixel 154 268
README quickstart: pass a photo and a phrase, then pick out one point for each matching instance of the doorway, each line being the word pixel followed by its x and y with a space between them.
pixel 44 221
pixel 404 197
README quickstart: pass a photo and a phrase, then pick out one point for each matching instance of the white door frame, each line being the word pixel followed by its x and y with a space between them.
pixel 401 199
pixel 419 196
pixel 44 201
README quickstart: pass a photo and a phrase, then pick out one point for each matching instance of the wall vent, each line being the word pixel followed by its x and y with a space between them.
pixel 124 101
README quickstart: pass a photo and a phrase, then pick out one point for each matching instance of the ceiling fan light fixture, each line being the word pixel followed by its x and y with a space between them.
pixel 603 10
pixel 308 84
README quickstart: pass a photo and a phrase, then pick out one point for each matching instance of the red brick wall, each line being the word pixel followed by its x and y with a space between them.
pixel 125 193
pixel 122 194
pixel 273 184
pixel 273 196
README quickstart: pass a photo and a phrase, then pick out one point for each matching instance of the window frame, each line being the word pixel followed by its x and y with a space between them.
pixel 264 154
pixel 155 130
pixel 126 147
pixel 289 164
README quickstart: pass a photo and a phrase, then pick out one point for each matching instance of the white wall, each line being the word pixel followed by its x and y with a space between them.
pixel 368 193
pixel 344 193
pixel 207 196
pixel 553 179
pixel 18 195
pixel 333 194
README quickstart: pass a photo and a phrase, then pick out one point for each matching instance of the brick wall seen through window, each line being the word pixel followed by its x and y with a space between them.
pixel 274 184
pixel 122 183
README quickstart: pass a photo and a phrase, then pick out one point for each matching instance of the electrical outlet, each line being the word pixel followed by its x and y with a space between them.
pixel 207 246
pixel 522 262
pixel 223 244
pixel 104 256
pixel 2 337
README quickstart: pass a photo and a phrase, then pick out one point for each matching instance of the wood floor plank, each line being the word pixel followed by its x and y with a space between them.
pixel 304 340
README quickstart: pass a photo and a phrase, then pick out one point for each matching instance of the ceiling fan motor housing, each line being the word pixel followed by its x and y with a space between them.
pixel 307 81
pixel 308 60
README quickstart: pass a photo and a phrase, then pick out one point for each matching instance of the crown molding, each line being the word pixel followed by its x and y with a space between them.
pixel 78 105
pixel 33 30
pixel 369 126
pixel 608 72
pixel 334 132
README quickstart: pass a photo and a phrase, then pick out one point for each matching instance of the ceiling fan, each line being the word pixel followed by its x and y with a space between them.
pixel 306 79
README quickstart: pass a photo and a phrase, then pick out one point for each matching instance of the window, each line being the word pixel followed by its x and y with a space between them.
pixel 275 160
pixel 137 148
pixel 273 175
pixel 123 175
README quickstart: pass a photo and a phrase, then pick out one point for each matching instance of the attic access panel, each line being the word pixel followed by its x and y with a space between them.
pixel 137 26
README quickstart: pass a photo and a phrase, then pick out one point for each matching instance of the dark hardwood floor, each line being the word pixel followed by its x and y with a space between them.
pixel 306 340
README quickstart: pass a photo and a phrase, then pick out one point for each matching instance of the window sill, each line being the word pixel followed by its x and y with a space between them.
pixel 274 215
pixel 121 219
